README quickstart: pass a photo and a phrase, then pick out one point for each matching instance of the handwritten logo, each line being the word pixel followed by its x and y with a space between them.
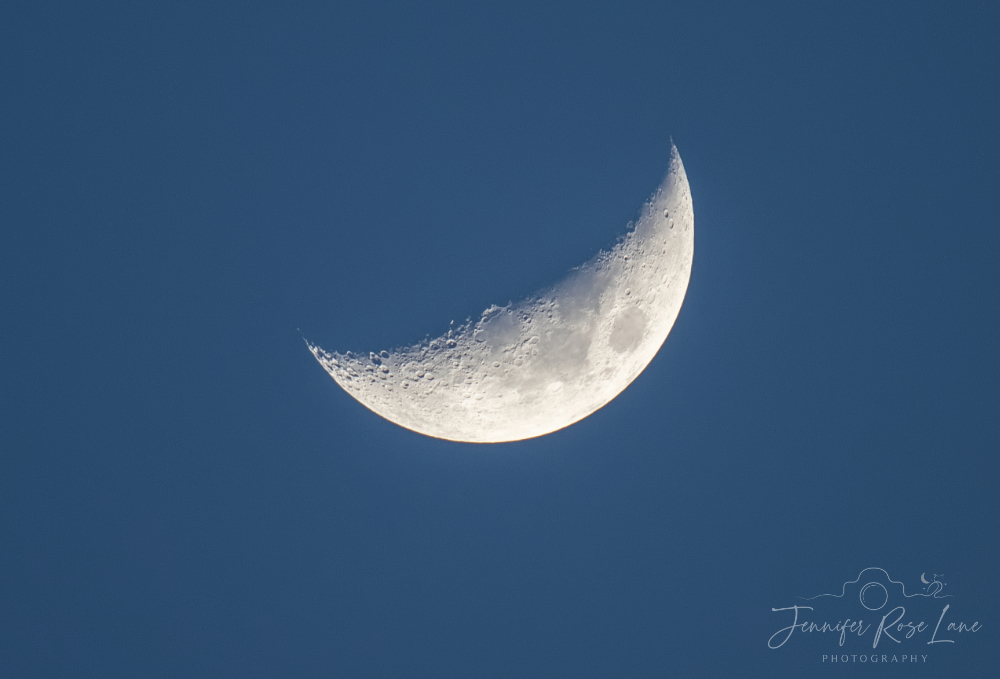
pixel 875 603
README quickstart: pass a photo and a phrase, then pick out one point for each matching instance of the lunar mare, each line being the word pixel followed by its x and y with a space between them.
pixel 536 366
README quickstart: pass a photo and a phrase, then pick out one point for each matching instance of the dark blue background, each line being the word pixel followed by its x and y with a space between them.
pixel 187 190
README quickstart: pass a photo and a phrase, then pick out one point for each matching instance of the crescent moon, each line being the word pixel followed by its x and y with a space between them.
pixel 922 579
pixel 531 368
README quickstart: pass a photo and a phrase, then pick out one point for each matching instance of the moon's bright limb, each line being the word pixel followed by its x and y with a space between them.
pixel 922 579
pixel 531 368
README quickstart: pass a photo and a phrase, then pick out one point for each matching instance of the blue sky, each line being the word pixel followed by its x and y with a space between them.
pixel 188 190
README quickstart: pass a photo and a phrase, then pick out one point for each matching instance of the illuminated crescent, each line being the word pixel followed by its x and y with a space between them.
pixel 541 364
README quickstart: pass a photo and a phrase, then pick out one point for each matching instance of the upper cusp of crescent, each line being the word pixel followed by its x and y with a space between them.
pixel 668 216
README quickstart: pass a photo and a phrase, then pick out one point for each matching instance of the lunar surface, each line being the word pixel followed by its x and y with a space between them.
pixel 536 366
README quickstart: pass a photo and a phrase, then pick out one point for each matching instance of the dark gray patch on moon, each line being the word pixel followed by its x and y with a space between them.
pixel 499 328
pixel 628 329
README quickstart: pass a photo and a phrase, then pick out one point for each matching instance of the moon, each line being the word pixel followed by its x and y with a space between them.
pixel 922 579
pixel 536 366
